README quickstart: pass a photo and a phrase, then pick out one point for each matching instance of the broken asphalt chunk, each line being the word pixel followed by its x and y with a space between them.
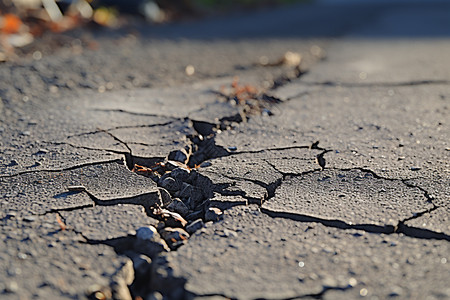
pixel 373 203
pixel 100 223
pixel 436 221
pixel 41 192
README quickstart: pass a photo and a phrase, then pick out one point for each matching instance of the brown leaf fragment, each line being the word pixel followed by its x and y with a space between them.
pixel 61 223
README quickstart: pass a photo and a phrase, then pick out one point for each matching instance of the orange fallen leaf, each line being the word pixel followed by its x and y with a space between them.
pixel 10 23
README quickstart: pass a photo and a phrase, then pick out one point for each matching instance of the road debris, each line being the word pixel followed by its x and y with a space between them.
pixel 213 214
pixel 76 188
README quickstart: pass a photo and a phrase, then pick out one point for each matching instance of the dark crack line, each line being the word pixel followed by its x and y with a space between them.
pixel 288 174
pixel 64 169
pixel 210 295
pixel 378 84
pixel 270 188
pixel 373 173
pixel 88 148
pixel 297 96
pixel 421 233
pixel 401 226
pixel 117 139
pixel 269 149
pixel 319 295
pixel 128 156
pixel 120 127
pixel 427 195
pixel 335 223
pixel 143 144
pixel 74 208
pixel 146 199
pixel 409 231
pixel 139 114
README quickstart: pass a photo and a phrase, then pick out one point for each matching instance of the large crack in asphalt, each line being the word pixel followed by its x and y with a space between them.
pixel 400 227
pixel 185 193
pixel 74 167
pixel 209 151
pixel 378 84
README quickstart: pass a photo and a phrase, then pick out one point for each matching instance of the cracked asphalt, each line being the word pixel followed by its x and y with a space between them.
pixel 122 177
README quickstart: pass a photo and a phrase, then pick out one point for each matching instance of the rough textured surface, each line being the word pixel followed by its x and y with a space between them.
pixel 437 220
pixel 41 261
pixel 248 247
pixel 38 193
pixel 333 182
pixel 101 223
pixel 334 195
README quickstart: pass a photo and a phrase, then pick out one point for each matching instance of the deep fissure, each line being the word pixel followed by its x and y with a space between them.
pixel 204 148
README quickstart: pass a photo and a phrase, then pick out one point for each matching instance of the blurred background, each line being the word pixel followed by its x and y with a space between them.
pixel 26 22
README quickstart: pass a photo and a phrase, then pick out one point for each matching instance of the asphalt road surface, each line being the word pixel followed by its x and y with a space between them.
pixel 293 153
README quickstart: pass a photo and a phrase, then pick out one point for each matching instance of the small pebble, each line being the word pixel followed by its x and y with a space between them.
pixel 174 237
pixel 194 226
pixel 180 174
pixel 13 163
pixel 190 70
pixel 29 219
pixel 11 215
pixel 154 296
pixel 11 287
pixel 228 233
pixel 42 151
pixel 76 188
pixel 146 233
pixel 166 199
pixel 179 207
pixel 213 214
pixel 170 184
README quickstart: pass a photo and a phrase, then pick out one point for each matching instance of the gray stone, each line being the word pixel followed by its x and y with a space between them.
pixel 191 195
pixel 174 237
pixel 194 226
pixel 147 233
pixel 165 197
pixel 179 155
pixel 213 214
pixel 179 207
pixel 180 174
pixel 170 184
